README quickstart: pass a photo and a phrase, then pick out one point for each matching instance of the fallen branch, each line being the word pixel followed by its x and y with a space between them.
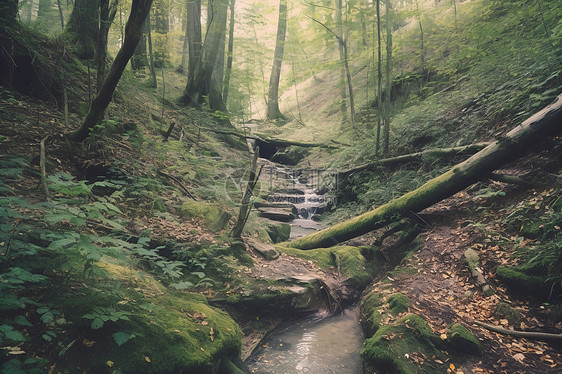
pixel 271 141
pixel 473 262
pixel 417 156
pixel 521 334
pixel 43 168
pixel 509 179
pixel 516 142
pixel 180 184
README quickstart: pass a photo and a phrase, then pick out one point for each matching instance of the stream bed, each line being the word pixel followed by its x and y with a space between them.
pixel 315 345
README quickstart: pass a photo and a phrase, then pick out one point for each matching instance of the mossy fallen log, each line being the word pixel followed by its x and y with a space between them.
pixel 417 156
pixel 515 143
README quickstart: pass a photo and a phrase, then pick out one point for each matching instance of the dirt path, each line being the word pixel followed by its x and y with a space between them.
pixel 443 290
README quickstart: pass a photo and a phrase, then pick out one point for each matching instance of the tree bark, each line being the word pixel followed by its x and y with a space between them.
pixel 107 15
pixel 246 205
pixel 193 33
pixel 229 59
pixel 273 111
pixel 83 27
pixel 152 68
pixel 133 30
pixel 516 142
pixel 387 100
pixel 201 84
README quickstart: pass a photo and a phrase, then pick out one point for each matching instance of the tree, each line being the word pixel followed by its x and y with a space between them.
pixel 379 76
pixel 218 71
pixel 338 34
pixel 387 99
pixel 273 111
pixel 83 26
pixel 193 33
pixel 229 59
pixel 200 84
pixel 133 31
pixel 140 57
pixel 9 11
pixel 107 15
pixel 159 28
pixel 514 144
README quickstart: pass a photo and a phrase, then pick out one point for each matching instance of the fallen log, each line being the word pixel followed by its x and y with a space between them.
pixel 274 142
pixel 417 156
pixel 516 142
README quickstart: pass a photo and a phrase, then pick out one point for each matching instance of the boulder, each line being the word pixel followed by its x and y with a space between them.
pixel 213 215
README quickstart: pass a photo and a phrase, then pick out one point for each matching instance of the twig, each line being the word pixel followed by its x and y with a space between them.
pixel 182 187
pixel 521 334
pixel 42 166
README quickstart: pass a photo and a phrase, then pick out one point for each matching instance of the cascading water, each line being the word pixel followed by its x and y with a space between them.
pixel 320 344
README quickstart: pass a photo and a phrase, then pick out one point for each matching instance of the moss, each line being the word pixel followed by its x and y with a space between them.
pixel 462 340
pixel 177 332
pixel 503 310
pixel 279 232
pixel 214 216
pixel 320 256
pixel 516 280
pixel 398 303
pixel 350 263
pixel 371 315
pixel 389 350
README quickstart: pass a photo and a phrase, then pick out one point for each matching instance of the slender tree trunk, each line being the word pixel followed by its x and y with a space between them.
pixel 161 21
pixel 184 51
pixel 246 204
pixel 153 83
pixel 218 71
pixel 273 111
pixel 379 77
pixel 515 143
pixel 133 31
pixel 363 23
pixel 422 52
pixel 60 15
pixel 388 99
pixel 140 57
pixel 29 12
pixel 339 34
pixel 349 85
pixel 194 34
pixel 229 59
pixel 107 15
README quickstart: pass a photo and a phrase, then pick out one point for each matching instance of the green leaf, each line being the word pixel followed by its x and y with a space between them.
pixel 47 337
pixel 47 317
pixel 22 321
pixel 182 285
pixel 198 274
pixel 121 338
pixel 97 323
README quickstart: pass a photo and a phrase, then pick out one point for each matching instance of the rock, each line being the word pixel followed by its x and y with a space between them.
pixel 277 214
pixel 462 340
pixel 214 216
pixel 268 251
pixel 279 232
pixel 290 156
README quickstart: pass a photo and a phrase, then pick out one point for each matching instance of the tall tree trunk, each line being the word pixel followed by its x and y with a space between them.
pixel 218 71
pixel 184 51
pixel 363 23
pixel 107 15
pixel 388 99
pixel 422 52
pixel 140 57
pixel 29 10
pixel 60 14
pixel 273 111
pixel 133 31
pixel 379 77
pixel 229 53
pixel 152 68
pixel 339 34
pixel 515 143
pixel 201 84
pixel 194 34
pixel 83 27
pixel 161 21
pixel 9 11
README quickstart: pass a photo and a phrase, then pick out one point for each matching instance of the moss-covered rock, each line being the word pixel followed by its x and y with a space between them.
pixel 520 281
pixel 398 303
pixel 371 313
pixel 290 155
pixel 503 310
pixel 214 216
pixel 393 347
pixel 279 232
pixel 462 340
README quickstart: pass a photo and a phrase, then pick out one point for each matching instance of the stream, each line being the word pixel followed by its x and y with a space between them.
pixel 320 343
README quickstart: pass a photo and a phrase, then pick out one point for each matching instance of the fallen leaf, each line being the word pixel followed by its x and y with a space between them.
pixel 88 343
pixel 443 336
pixel 147 359
pixel 452 367
pixel 109 363
pixel 519 357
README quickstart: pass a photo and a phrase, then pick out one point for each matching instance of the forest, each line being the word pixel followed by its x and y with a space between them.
pixel 280 186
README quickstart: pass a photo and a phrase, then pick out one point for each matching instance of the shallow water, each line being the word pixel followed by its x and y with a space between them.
pixel 312 346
